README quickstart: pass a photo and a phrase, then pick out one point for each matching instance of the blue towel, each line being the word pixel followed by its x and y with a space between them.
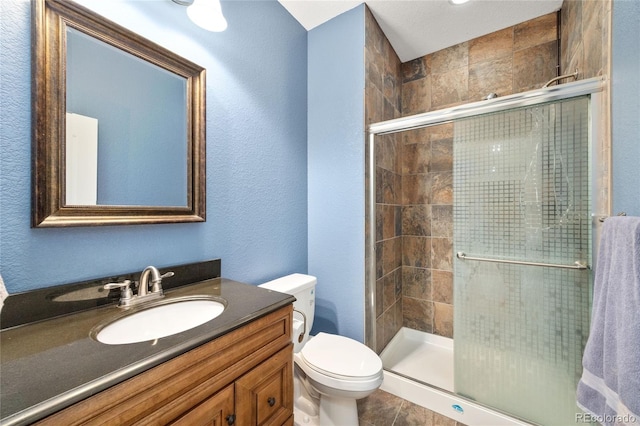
pixel 609 390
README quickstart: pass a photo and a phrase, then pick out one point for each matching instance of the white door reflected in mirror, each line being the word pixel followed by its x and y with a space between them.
pixel 81 160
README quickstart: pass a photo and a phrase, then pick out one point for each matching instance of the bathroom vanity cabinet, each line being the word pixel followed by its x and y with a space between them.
pixel 244 377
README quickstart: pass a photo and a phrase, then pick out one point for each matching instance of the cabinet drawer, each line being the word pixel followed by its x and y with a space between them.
pixel 264 396
pixel 215 411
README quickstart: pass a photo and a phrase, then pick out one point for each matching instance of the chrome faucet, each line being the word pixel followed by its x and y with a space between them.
pixel 156 281
pixel 150 275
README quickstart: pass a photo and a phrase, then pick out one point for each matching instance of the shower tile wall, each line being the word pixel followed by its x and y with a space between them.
pixel 585 40
pixel 513 60
pixel 585 37
pixel 383 102
pixel 414 276
pixel 427 229
pixel 414 169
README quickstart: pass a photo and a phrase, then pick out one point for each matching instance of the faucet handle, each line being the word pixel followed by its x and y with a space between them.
pixel 125 290
pixel 157 285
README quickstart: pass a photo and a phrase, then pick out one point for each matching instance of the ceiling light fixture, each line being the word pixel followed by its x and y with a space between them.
pixel 206 14
pixel 457 2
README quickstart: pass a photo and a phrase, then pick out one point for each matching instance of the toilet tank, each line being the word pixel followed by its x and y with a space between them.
pixel 303 288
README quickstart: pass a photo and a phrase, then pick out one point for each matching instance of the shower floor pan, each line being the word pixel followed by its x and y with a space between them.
pixel 414 358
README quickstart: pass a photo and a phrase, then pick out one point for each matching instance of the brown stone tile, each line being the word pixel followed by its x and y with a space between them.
pixel 416 158
pixel 387 221
pixel 418 314
pixel 592 29
pixel 373 73
pixel 442 285
pixel 373 104
pixel 390 111
pixel 392 79
pixel 575 61
pixel 416 136
pixel 416 220
pixel 449 88
pixel 442 254
pixel 380 342
pixel 379 408
pixel 491 46
pixel 389 291
pixel 391 90
pixel 379 265
pixel 416 96
pixel 451 58
pixel 416 283
pixel 374 37
pixel 388 187
pixel 414 70
pixel 441 159
pixel 389 256
pixel 533 67
pixel 442 221
pixel 411 414
pixel 388 152
pixel 399 319
pixel 398 281
pixel 536 31
pixel 416 189
pixel 441 131
pixel 495 76
pixel 443 319
pixel 391 60
pixel 416 252
pixel 441 187
pixel 398 141
pixel 571 30
pixel 390 324
pixel 379 296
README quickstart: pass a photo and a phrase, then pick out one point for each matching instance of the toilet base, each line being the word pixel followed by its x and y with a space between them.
pixel 338 411
pixel 313 408
pixel 332 412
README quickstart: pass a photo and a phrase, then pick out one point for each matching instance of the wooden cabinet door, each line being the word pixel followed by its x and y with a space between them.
pixel 215 411
pixel 264 396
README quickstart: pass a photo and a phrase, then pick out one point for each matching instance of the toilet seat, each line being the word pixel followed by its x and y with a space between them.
pixel 341 363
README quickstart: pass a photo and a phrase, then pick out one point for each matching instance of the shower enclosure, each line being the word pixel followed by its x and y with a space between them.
pixel 479 279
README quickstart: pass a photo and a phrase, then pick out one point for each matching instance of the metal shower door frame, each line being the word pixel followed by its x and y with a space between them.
pixel 592 87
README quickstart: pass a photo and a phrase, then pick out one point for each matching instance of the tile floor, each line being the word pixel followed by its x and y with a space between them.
pixel 384 409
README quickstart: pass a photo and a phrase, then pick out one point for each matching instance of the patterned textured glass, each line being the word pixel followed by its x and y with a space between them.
pixel 522 192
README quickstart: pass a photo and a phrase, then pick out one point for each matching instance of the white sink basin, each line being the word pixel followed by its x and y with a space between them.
pixel 160 320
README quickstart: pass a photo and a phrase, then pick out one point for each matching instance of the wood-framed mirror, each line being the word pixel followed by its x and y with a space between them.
pixel 118 124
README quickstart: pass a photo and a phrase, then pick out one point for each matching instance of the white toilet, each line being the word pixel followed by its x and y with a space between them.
pixel 331 371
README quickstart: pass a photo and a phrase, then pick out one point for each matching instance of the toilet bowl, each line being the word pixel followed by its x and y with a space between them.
pixel 330 372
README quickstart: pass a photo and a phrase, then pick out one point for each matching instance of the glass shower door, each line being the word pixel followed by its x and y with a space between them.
pixel 522 194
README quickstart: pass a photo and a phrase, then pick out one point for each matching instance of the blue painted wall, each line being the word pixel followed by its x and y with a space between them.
pixel 256 152
pixel 625 107
pixel 336 147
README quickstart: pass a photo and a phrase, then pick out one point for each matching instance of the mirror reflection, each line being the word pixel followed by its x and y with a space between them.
pixel 126 128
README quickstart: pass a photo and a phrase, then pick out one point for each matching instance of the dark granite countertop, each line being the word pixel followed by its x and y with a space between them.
pixel 48 365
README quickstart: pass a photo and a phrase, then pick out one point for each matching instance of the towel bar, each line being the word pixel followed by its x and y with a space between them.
pixel 577 265
pixel 603 218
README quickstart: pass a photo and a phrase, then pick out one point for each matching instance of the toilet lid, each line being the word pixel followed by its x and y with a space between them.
pixel 340 356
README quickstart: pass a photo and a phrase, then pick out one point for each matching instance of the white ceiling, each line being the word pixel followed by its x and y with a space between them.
pixel 418 27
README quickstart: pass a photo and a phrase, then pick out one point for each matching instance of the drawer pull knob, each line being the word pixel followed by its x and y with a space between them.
pixel 271 401
pixel 231 419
